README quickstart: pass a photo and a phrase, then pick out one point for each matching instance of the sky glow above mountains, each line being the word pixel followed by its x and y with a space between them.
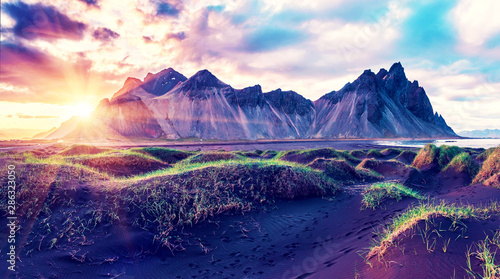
pixel 58 57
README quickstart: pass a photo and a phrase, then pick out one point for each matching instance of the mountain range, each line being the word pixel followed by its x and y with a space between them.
pixel 487 133
pixel 168 105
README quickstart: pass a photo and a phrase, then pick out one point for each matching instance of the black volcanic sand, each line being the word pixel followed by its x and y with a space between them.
pixel 208 145
pixel 307 238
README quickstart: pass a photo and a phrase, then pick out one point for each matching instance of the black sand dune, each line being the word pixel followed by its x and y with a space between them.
pixel 275 218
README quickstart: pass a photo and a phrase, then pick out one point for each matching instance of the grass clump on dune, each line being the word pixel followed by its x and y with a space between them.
pixel 426 157
pixel 485 252
pixel 412 216
pixel 339 170
pixel 374 153
pixel 463 163
pixel 406 156
pixel 369 173
pixel 391 151
pixel 483 156
pixel 269 154
pixel 165 203
pixel 309 155
pixel 38 180
pixel 249 154
pixel 159 202
pixel 122 164
pixel 167 155
pixel 214 157
pixel 358 153
pixel 489 173
pixel 378 193
pixel 446 154
pixel 432 157
pixel 80 149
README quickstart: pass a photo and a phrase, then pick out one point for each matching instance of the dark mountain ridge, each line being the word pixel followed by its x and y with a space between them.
pixel 168 105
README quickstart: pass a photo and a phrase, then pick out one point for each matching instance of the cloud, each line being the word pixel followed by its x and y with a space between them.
pixel 216 8
pixel 104 34
pixel 464 100
pixel 270 38
pixel 45 22
pixel 147 39
pixel 169 8
pixel 30 75
pixel 476 21
pixel 26 116
pixel 93 3
pixel 312 47
pixel 176 36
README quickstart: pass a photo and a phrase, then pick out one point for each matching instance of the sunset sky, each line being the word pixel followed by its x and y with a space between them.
pixel 61 57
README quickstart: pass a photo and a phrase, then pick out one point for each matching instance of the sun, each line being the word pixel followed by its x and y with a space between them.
pixel 83 109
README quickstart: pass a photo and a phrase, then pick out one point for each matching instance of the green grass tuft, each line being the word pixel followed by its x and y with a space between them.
pixel 407 156
pixel 164 203
pixel 167 155
pixel 432 157
pixel 490 168
pixel 463 163
pixel 374 153
pixel 80 149
pixel 483 156
pixel 339 170
pixel 309 155
pixel 358 153
pixel 378 193
pixel 412 216
pixel 391 151
pixel 269 154
pixel 486 252
pixel 446 154
pixel 206 157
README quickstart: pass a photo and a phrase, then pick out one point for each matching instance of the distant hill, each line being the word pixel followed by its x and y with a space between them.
pixel 168 105
pixel 44 134
pixel 17 133
pixel 487 133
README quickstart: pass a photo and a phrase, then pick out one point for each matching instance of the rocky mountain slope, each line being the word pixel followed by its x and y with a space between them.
pixel 168 105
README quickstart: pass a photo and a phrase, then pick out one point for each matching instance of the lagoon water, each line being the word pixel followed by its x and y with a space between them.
pixel 474 143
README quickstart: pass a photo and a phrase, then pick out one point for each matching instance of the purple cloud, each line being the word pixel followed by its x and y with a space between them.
pixel 93 3
pixel 43 74
pixel 177 36
pixel 147 39
pixel 104 34
pixel 45 22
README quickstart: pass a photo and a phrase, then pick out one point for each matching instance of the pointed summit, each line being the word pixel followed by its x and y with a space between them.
pixel 162 82
pixel 396 67
pixel 397 71
pixel 365 82
pixel 202 79
pixel 129 85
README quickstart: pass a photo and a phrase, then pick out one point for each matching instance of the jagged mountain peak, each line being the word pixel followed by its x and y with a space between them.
pixel 130 84
pixel 201 80
pixel 397 68
pixel 162 82
pixel 289 101
pixel 382 73
pixel 164 72
pixel 166 104
pixel 132 81
pixel 397 72
pixel 366 82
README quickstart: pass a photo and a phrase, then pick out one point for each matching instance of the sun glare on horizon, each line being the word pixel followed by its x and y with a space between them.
pixel 83 110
